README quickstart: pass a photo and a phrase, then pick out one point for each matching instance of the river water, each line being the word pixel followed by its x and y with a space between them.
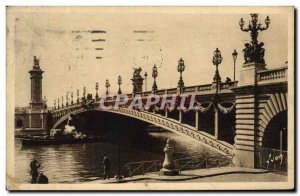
pixel 76 163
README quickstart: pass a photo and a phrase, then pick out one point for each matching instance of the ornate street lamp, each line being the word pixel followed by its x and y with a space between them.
pixel 234 56
pixel 180 69
pixel 54 104
pixel 119 83
pixel 97 88
pixel 107 85
pixel 58 103
pixel 154 75
pixel 84 91
pixel 254 51
pixel 62 101
pixel 72 98
pixel 77 96
pixel 217 59
pixel 67 99
pixel 145 81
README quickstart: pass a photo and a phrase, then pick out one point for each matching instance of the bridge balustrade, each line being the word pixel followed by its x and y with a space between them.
pixel 206 89
pixel 272 75
pixel 228 85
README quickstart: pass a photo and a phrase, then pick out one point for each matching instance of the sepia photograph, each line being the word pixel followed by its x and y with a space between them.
pixel 150 98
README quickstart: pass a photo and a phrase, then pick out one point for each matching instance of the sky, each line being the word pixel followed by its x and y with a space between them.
pixel 62 39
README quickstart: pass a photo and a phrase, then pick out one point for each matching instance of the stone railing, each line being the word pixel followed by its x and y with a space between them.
pixel 199 89
pixel 207 87
pixel 61 117
pixel 227 85
pixel 272 75
pixel 71 107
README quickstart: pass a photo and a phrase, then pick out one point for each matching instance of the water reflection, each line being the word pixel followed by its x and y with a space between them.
pixel 75 163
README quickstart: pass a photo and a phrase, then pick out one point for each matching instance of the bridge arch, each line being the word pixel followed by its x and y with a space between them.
pixel 165 123
pixel 275 135
pixel 275 104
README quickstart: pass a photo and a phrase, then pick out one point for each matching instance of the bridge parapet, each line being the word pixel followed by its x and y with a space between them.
pixel 69 107
pixel 225 87
pixel 206 89
pixel 272 75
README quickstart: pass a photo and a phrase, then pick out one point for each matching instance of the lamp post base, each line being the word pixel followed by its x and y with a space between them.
pixel 169 172
pixel 118 177
pixel 154 87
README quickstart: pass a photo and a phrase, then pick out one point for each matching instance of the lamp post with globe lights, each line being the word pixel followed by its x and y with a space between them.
pixel 234 56
pixel 119 83
pixel 67 99
pixel 254 51
pixel 97 88
pixel 72 98
pixel 107 85
pixel 154 75
pixel 217 59
pixel 84 91
pixel 180 69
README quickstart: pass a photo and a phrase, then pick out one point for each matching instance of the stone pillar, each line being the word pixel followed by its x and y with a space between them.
pixel 197 120
pixel 166 113
pixel 42 117
pixel 244 141
pixel 180 116
pixel 29 117
pixel 169 168
pixel 36 77
pixel 246 116
pixel 216 123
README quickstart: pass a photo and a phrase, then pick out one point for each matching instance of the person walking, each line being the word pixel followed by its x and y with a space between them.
pixel 34 165
pixel 106 163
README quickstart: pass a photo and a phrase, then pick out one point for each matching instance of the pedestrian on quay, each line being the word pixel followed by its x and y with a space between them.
pixel 34 165
pixel 106 163
pixel 42 179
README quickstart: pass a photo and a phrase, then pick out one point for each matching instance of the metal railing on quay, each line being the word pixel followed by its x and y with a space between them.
pixel 272 159
pixel 187 163
pixel 143 167
pixel 199 162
